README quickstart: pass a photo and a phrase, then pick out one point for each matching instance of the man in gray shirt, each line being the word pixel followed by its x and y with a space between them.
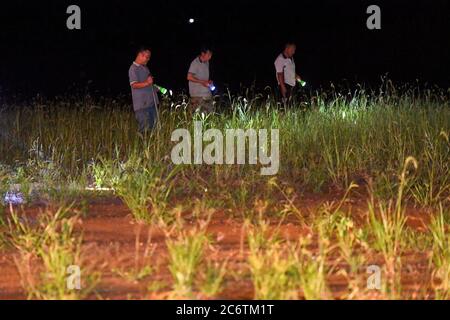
pixel 200 86
pixel 145 98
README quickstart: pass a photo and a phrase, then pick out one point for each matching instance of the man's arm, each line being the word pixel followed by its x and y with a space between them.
pixel 279 67
pixel 134 83
pixel 140 85
pixel 280 76
pixel 192 78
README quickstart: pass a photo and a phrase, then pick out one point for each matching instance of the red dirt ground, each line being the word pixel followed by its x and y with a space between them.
pixel 109 238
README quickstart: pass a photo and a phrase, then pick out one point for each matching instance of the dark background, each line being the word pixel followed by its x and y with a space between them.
pixel 40 55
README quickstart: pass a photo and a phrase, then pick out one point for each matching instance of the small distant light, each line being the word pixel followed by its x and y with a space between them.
pixel 15 198
pixel 191 20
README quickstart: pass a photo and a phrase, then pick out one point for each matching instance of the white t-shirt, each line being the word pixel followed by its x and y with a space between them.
pixel 287 66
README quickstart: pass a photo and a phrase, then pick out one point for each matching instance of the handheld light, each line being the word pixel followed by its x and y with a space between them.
pixel 302 83
pixel 14 198
pixel 212 87
pixel 164 91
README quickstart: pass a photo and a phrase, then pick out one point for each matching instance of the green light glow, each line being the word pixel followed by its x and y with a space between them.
pixel 162 90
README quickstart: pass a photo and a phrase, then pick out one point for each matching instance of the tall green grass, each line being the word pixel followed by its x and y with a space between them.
pixel 338 139
pixel 440 257
pixel 186 252
pixel 329 142
pixel 46 249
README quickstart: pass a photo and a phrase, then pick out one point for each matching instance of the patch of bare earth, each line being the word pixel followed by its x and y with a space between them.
pixel 109 244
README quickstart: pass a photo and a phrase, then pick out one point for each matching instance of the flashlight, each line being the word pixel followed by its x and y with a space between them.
pixel 164 91
pixel 212 87
pixel 302 83
pixel 14 198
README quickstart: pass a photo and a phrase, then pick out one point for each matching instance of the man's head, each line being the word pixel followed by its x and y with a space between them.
pixel 143 55
pixel 289 49
pixel 205 54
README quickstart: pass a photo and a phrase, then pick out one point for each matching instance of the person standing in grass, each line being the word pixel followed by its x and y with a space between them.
pixel 145 98
pixel 200 83
pixel 285 71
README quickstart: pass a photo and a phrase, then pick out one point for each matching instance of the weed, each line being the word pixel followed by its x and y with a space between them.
pixel 186 254
pixel 440 257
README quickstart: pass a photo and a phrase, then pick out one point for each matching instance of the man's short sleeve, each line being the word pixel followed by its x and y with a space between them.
pixel 132 74
pixel 193 68
pixel 279 65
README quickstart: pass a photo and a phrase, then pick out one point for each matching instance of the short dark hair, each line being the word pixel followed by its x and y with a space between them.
pixel 289 43
pixel 205 49
pixel 143 49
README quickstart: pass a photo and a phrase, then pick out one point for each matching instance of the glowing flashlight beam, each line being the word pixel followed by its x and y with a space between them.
pixel 302 83
pixel 162 90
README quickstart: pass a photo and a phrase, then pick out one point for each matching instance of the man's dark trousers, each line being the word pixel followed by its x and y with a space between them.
pixel 146 119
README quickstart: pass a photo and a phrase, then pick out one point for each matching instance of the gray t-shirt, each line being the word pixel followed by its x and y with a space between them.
pixel 287 66
pixel 200 70
pixel 145 97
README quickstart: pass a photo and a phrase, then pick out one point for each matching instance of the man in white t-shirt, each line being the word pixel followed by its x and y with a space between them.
pixel 285 71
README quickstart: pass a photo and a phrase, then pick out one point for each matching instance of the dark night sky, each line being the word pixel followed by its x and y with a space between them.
pixel 39 54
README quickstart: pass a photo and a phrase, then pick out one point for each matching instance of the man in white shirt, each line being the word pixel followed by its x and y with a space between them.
pixel 285 71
